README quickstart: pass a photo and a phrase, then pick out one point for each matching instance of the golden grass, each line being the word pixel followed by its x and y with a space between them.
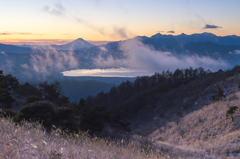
pixel 30 141
pixel 207 132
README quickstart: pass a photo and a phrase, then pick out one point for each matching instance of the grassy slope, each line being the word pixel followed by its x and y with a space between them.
pixel 29 141
pixel 206 131
pixel 142 109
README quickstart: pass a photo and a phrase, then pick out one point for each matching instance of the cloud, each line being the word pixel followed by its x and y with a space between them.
pixel 36 41
pixel 234 52
pixel 102 48
pixel 18 33
pixel 24 66
pixel 171 31
pixel 115 31
pixel 49 60
pixel 100 30
pixel 207 26
pixel 144 57
pixel 58 9
pixel 120 31
pixel 237 51
pixel 98 42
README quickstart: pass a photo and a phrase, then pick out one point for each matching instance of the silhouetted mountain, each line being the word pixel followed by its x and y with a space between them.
pixel 13 49
pixel 205 44
pixel 74 45
pixel 160 41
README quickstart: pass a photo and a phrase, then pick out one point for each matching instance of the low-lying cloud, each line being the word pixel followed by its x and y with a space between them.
pixel 50 59
pixel 234 52
pixel 237 51
pixel 144 57
pixel 207 26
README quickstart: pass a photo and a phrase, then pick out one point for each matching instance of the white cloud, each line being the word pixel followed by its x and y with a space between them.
pixel 51 60
pixel 237 51
pixel 25 66
pixel 144 57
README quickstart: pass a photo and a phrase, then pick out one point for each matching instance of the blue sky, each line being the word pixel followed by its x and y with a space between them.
pixel 108 20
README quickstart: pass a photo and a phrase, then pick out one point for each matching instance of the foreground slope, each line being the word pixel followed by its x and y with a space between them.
pixel 30 141
pixel 204 131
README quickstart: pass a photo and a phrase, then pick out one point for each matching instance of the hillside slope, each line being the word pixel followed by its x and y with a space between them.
pixel 204 131
pixel 30 141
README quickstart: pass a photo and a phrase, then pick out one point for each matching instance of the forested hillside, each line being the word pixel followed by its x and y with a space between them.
pixel 166 111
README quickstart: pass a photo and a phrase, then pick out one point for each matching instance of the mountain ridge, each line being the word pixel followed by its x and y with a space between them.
pixel 74 45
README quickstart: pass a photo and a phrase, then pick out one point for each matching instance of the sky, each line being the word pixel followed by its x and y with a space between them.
pixel 61 21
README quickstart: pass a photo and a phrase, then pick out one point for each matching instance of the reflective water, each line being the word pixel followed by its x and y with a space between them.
pixel 112 72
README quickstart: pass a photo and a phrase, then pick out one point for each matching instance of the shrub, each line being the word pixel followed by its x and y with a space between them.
pixel 219 95
pixel 8 113
pixel 32 99
pixel 91 120
pixel 28 90
pixel 40 111
pixel 230 112
pixel 66 120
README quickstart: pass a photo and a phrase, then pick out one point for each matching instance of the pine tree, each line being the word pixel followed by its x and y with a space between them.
pixel 230 112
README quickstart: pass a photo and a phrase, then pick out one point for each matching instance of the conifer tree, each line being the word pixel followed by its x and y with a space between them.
pixel 230 112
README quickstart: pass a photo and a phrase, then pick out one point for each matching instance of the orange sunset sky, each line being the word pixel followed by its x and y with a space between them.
pixel 98 21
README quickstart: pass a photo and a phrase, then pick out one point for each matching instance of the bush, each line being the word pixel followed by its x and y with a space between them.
pixel 219 95
pixel 8 113
pixel 32 99
pixel 28 90
pixel 40 111
pixel 66 120
pixel 91 120
pixel 230 112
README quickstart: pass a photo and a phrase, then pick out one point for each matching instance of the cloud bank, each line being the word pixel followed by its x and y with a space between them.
pixel 145 58
pixel 50 59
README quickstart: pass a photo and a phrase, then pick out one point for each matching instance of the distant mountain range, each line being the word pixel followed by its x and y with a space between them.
pixel 158 41
pixel 19 59
pixel 14 49
pixel 74 45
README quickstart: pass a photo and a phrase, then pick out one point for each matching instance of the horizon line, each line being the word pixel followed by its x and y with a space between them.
pixel 20 42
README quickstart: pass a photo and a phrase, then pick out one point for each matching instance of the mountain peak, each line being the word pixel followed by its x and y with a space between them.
pixel 156 35
pixel 79 39
pixel 76 44
pixel 183 34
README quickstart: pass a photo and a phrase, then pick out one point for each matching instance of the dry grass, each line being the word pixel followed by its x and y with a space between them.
pixel 206 132
pixel 203 133
pixel 30 141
